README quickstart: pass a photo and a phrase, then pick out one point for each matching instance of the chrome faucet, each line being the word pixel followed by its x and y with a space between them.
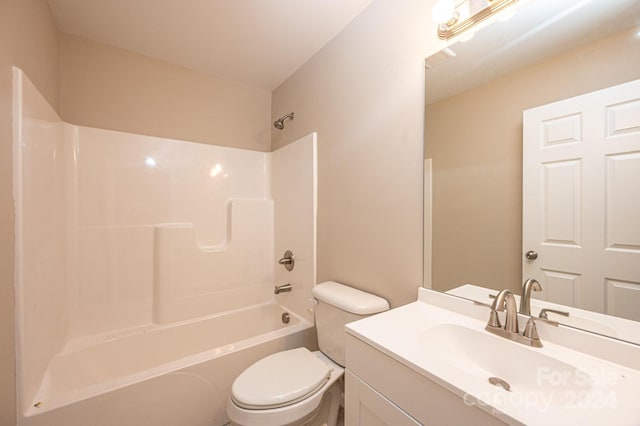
pixel 282 288
pixel 525 300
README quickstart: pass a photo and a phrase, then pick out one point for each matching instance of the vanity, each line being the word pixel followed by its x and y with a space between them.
pixel 432 362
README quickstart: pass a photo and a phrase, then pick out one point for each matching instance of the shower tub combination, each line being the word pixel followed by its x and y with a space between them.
pixel 146 266
pixel 179 374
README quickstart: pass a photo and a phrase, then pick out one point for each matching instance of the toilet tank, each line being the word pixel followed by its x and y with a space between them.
pixel 339 305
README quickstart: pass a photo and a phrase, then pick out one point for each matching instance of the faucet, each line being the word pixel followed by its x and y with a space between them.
pixel 504 299
pixel 282 288
pixel 525 300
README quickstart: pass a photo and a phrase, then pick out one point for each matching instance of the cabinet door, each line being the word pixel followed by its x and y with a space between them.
pixel 366 407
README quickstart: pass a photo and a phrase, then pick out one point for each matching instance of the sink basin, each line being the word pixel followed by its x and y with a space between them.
pixel 480 355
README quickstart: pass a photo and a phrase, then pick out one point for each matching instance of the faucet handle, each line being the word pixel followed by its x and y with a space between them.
pixel 543 313
pixel 494 320
pixel 287 260
pixel 531 333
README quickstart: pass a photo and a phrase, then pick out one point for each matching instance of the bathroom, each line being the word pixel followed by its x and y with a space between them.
pixel 357 89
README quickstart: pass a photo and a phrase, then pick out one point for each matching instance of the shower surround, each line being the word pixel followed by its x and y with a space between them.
pixel 139 257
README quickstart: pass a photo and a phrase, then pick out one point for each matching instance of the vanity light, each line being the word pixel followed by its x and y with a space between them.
pixel 150 162
pixel 454 19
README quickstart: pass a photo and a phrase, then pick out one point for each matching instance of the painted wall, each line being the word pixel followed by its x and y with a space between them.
pixel 111 88
pixel 364 95
pixel 477 181
pixel 28 39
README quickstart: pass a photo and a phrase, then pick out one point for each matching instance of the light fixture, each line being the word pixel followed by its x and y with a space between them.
pixel 454 19
pixel 150 162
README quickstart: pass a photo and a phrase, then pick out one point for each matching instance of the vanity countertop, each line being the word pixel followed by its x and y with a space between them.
pixel 445 341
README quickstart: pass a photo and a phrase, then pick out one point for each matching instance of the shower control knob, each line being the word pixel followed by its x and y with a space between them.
pixel 531 255
pixel 287 260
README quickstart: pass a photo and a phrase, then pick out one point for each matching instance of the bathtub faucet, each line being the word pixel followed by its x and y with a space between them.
pixel 282 288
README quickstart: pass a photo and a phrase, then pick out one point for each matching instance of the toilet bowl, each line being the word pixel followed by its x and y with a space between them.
pixel 281 402
pixel 299 387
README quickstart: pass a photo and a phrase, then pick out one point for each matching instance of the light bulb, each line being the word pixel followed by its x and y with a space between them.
pixel 442 11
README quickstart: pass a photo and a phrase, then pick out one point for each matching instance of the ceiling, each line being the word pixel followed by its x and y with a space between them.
pixel 539 30
pixel 256 42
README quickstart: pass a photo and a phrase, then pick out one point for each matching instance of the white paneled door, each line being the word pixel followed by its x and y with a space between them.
pixel 581 200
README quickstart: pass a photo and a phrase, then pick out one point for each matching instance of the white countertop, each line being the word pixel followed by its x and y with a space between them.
pixel 612 397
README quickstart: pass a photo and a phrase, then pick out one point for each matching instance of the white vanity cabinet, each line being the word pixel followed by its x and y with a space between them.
pixel 382 391
pixel 367 407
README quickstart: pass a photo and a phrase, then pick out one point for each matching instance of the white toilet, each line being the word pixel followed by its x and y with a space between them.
pixel 299 387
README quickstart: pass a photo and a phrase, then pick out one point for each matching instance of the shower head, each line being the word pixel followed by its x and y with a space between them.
pixel 279 123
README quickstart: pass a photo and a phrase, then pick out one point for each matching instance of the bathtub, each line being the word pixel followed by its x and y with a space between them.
pixel 178 374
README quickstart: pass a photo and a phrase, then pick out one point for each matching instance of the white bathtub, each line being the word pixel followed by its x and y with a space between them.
pixel 178 374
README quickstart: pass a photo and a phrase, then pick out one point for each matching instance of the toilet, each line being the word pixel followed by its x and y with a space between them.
pixel 299 387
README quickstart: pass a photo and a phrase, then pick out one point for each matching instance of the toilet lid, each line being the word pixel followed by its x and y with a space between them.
pixel 280 379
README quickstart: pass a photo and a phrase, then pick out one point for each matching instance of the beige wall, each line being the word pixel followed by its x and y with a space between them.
pixel 111 88
pixel 475 140
pixel 29 40
pixel 364 95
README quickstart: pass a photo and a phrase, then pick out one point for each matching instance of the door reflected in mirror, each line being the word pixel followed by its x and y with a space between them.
pixel 582 212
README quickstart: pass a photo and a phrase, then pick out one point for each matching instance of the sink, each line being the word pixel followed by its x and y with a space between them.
pixel 479 356
pixel 575 378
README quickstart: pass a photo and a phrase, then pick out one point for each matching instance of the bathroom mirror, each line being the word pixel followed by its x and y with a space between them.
pixel 476 92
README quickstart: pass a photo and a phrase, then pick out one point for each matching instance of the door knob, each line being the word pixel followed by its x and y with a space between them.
pixel 531 255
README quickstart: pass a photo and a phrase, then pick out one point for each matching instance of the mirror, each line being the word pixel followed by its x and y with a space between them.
pixel 476 93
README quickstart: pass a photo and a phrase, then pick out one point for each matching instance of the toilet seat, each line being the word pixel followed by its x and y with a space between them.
pixel 297 412
pixel 281 379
